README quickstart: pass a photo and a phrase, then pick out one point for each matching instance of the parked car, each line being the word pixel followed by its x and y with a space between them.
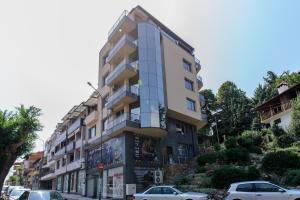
pixel 40 195
pixel 16 193
pixel 11 188
pixel 168 192
pixel 4 188
pixel 260 190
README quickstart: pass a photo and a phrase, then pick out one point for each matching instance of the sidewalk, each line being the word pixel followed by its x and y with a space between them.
pixel 75 197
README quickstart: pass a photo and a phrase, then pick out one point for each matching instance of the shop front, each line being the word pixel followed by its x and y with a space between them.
pixel 113 158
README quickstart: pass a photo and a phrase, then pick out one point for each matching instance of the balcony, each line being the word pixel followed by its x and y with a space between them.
pixel 60 171
pixel 71 146
pixel 199 81
pixel 92 117
pixel 78 143
pixel 126 95
pixel 48 175
pixel 124 24
pixel 126 69
pixel 122 122
pixel 197 64
pixel 74 126
pixel 125 46
pixel 60 137
pixel 201 99
pixel 274 111
pixel 74 165
pixel 60 153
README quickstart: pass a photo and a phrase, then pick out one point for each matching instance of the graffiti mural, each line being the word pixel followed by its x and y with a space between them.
pixel 112 153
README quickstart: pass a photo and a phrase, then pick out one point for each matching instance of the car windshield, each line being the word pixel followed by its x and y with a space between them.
pixel 178 191
pixel 17 193
pixel 44 195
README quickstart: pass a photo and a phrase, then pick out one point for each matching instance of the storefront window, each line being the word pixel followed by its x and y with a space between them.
pixel 66 183
pixel 73 181
pixel 59 183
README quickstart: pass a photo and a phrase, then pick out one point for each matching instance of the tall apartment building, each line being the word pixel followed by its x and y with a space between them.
pixel 149 111
pixel 144 116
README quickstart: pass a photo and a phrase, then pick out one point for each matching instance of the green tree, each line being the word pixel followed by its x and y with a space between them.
pixel 267 90
pixel 209 106
pixel 18 130
pixel 236 115
pixel 13 180
pixel 291 78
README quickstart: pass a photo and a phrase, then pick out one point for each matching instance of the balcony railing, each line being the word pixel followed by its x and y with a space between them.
pixel 199 80
pixel 275 110
pixel 74 165
pixel 124 13
pixel 74 126
pixel 124 39
pixel 60 137
pixel 71 146
pixel 125 64
pixel 78 143
pixel 60 152
pixel 120 122
pixel 130 91
pixel 198 65
pixel 93 116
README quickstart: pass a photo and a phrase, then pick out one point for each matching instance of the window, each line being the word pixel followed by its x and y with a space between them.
pixel 187 66
pixel 104 124
pixel 189 84
pixel 167 190
pixel 63 161
pixel 265 187
pixel 190 104
pixel 71 156
pixel 277 121
pixel 57 164
pixel 156 190
pixel 92 132
pixel 244 187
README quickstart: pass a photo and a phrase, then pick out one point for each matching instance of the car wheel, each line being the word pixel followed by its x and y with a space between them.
pixel 297 199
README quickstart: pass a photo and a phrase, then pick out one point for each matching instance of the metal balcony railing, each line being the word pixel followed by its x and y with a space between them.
pixel 126 63
pixel 124 39
pixel 130 117
pixel 122 92
pixel 198 65
pixel 71 146
pixel 74 126
pixel 124 13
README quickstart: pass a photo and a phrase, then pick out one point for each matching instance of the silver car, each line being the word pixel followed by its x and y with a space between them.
pixel 168 192
pixel 260 190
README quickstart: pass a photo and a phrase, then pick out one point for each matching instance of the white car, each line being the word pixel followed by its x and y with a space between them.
pixel 16 193
pixel 168 192
pixel 260 190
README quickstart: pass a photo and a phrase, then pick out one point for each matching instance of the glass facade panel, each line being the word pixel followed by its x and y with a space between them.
pixel 151 78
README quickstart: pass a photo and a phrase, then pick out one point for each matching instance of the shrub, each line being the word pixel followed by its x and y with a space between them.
pixel 255 149
pixel 200 169
pixel 231 143
pixel 280 161
pixel 257 137
pixel 246 142
pixel 292 177
pixel 277 131
pixel 217 147
pixel 238 155
pixel 284 141
pixel 207 158
pixel 223 177
pixel 253 173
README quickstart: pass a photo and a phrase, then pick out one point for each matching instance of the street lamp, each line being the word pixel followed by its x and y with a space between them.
pixel 100 166
pixel 214 113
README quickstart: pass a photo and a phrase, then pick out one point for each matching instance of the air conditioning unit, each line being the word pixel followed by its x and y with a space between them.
pixel 158 177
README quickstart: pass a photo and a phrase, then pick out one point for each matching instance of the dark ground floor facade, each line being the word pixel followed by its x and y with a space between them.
pixel 133 159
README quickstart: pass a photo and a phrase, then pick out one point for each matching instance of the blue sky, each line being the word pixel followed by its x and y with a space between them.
pixel 49 49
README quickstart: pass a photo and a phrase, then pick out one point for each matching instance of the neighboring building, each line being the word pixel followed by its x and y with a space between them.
pixel 150 110
pixel 278 110
pixel 18 169
pixel 29 168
